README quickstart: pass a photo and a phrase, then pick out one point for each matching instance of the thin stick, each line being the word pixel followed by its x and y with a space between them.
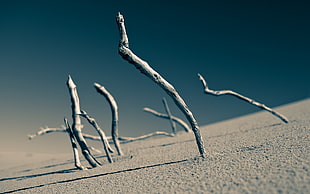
pixel 47 130
pixel 77 161
pixel 114 109
pixel 249 100
pixel 143 137
pixel 97 138
pixel 173 126
pixel 145 69
pixel 76 125
pixel 175 119
pixel 104 140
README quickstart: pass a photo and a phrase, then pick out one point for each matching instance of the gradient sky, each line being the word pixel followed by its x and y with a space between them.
pixel 258 48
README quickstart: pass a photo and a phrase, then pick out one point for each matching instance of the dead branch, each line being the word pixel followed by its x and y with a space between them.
pixel 77 161
pixel 145 69
pixel 76 125
pixel 47 130
pixel 207 90
pixel 143 137
pixel 98 138
pixel 175 119
pixel 173 126
pixel 106 146
pixel 114 109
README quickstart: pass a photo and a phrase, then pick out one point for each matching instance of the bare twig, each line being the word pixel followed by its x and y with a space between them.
pixel 249 100
pixel 47 130
pixel 77 161
pixel 145 69
pixel 114 109
pixel 76 125
pixel 143 137
pixel 106 145
pixel 176 119
pixel 173 127
pixel 98 138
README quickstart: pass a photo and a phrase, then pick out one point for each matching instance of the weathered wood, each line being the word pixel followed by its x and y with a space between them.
pixel 145 69
pixel 106 146
pixel 77 125
pixel 76 157
pixel 175 119
pixel 172 123
pixel 114 109
pixel 207 90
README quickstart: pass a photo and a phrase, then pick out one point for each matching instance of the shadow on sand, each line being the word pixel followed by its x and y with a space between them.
pixel 85 177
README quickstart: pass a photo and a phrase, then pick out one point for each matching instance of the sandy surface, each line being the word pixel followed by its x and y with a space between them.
pixel 256 153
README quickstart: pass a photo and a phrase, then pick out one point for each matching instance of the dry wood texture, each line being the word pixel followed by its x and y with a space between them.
pixel 145 69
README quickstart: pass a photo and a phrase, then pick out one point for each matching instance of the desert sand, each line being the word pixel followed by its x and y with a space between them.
pixel 256 153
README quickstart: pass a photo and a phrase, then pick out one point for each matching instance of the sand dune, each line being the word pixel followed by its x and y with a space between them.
pixel 253 153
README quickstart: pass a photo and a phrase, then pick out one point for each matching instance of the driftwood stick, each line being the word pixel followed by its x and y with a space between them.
pixel 175 119
pixel 106 146
pixel 143 137
pixel 77 161
pixel 114 109
pixel 145 69
pixel 45 130
pixel 76 125
pixel 173 126
pixel 98 138
pixel 207 90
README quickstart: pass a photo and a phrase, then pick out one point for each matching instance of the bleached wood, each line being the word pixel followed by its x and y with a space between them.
pixel 76 124
pixel 106 146
pixel 207 90
pixel 175 119
pixel 114 109
pixel 172 123
pixel 45 130
pixel 143 137
pixel 145 69
pixel 76 157
pixel 97 138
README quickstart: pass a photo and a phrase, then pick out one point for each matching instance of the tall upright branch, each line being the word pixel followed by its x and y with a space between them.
pixel 76 125
pixel 175 119
pixel 114 109
pixel 77 161
pixel 172 123
pixel 104 140
pixel 145 69
pixel 207 90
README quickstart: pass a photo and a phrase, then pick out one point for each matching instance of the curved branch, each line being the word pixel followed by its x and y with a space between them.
pixel 114 108
pixel 175 119
pixel 145 69
pixel 207 90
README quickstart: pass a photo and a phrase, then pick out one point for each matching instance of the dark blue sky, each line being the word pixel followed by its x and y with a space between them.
pixel 258 48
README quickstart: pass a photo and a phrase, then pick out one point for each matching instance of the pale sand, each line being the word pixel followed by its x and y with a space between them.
pixel 256 153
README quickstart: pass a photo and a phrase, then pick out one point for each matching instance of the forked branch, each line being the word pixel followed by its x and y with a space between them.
pixel 77 126
pixel 175 119
pixel 207 90
pixel 145 69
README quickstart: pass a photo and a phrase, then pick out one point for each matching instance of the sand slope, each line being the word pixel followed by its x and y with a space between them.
pixel 254 153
